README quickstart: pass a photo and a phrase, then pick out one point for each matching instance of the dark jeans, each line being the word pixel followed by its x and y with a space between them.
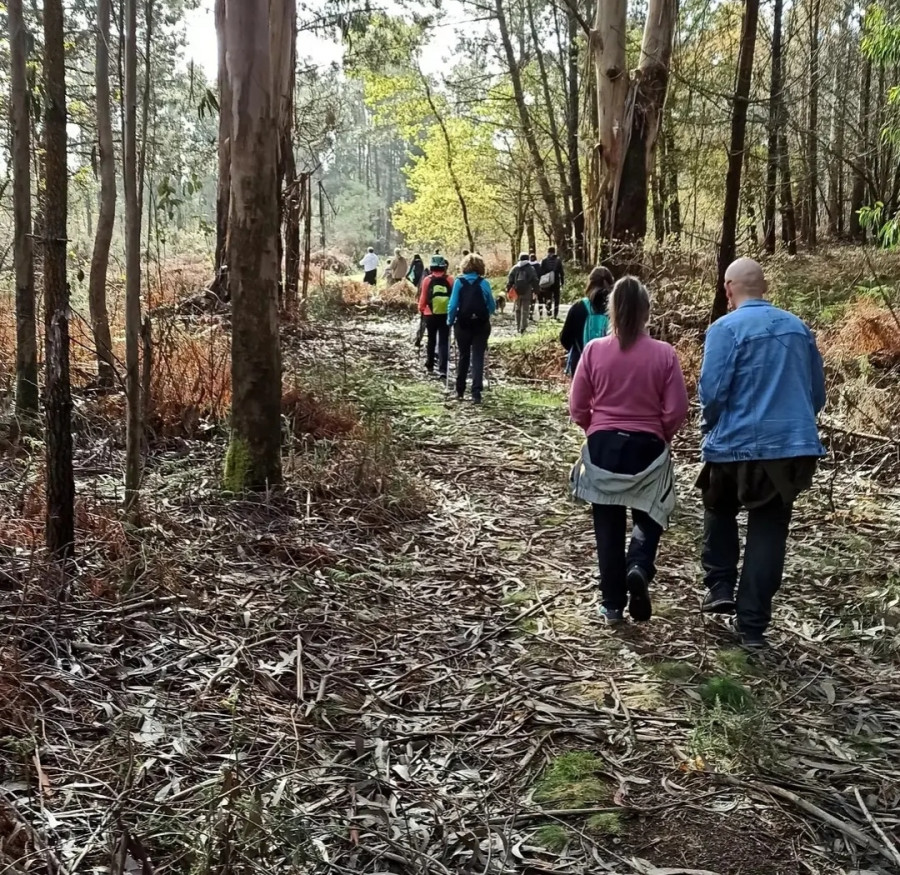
pixel 764 551
pixel 472 344
pixel 624 453
pixel 438 336
pixel 370 276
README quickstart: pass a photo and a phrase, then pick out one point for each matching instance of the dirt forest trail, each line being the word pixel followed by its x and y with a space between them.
pixel 356 676
pixel 537 683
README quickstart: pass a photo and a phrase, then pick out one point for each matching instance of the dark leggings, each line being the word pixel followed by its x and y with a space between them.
pixel 623 453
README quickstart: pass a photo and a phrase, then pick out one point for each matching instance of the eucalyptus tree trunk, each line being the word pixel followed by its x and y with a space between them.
pixel 106 216
pixel 861 162
pixel 134 430
pixel 728 242
pixel 254 453
pixel 60 529
pixel 27 400
pixel 775 96
pixel 629 114
pixel 283 32
pixel 812 135
pixel 537 160
pixel 572 128
pixel 223 184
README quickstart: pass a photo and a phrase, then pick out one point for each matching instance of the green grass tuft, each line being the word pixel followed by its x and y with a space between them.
pixel 552 836
pixel 572 780
pixel 726 693
pixel 606 824
pixel 734 661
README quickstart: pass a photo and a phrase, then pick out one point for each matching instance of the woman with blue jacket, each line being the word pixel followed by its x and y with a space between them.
pixel 471 306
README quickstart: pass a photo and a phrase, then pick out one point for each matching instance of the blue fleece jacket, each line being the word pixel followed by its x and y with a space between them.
pixel 453 306
pixel 761 385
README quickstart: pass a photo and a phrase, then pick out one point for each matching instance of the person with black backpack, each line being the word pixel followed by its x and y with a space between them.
pixel 524 281
pixel 434 301
pixel 471 306
pixel 551 278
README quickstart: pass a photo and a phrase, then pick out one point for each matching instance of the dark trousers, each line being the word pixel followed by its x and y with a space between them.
pixel 623 453
pixel 438 337
pixel 370 276
pixel 472 344
pixel 553 299
pixel 767 532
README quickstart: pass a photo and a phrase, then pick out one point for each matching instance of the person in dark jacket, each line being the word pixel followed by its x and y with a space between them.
pixel 761 386
pixel 552 276
pixel 470 309
pixel 416 269
pixel 595 301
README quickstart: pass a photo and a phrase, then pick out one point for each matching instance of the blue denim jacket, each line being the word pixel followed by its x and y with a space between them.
pixel 761 386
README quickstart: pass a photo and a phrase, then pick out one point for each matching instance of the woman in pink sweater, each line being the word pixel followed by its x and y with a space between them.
pixel 629 397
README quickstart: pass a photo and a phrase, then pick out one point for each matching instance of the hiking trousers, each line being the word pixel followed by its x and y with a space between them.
pixel 471 341
pixel 369 277
pixel 553 299
pixel 764 552
pixel 624 453
pixel 439 338
pixel 523 310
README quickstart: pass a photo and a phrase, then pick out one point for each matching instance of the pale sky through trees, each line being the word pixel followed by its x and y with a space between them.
pixel 201 37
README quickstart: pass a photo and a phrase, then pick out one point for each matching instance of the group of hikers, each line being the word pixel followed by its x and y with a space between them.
pixel 761 386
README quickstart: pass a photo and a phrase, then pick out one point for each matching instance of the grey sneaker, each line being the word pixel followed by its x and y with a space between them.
pixel 613 616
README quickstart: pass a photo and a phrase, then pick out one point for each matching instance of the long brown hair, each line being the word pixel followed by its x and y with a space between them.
pixel 599 285
pixel 629 310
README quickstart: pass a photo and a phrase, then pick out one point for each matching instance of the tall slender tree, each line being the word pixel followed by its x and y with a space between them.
pixel 23 249
pixel 223 183
pixel 775 89
pixel 58 400
pixel 740 103
pixel 537 158
pixel 106 216
pixel 133 411
pixel 254 453
pixel 813 133
pixel 573 97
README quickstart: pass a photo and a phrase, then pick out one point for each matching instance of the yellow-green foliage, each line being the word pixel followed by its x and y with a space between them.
pixel 433 211
pixel 552 836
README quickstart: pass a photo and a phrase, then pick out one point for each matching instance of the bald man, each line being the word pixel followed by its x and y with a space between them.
pixel 761 386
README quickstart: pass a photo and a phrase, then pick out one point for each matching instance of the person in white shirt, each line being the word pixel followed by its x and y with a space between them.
pixel 369 264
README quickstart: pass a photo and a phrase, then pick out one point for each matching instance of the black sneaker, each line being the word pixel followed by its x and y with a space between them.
pixel 476 399
pixel 442 376
pixel 719 600
pixel 638 594
pixel 751 640
pixel 613 616
pixel 459 396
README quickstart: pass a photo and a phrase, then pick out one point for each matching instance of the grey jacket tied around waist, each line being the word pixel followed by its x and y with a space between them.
pixel 652 491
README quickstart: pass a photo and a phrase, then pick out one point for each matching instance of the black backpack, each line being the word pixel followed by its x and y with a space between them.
pixel 525 278
pixel 473 309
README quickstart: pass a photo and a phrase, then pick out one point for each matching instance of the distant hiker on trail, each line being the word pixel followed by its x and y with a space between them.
pixel 471 307
pixel 552 277
pixel 524 281
pixel 761 385
pixel 434 302
pixel 539 297
pixel 369 264
pixel 416 269
pixel 587 320
pixel 629 397
pixel 399 267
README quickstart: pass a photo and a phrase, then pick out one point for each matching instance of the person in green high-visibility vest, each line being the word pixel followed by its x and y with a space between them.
pixel 434 301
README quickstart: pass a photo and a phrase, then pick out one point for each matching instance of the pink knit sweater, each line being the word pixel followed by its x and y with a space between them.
pixel 638 389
